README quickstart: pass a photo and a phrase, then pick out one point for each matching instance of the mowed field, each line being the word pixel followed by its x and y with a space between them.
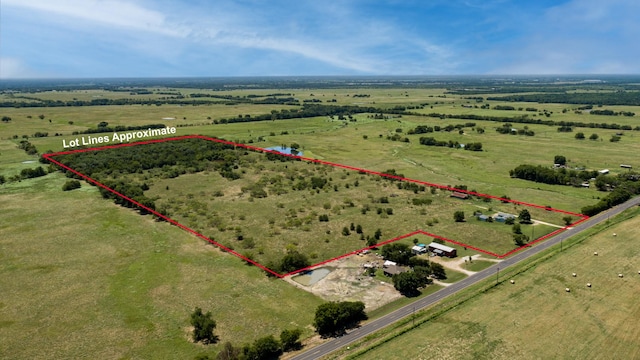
pixel 82 277
pixel 535 318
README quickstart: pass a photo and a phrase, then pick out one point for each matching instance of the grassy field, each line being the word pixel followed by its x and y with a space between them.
pixel 536 318
pixel 82 277
pixel 264 227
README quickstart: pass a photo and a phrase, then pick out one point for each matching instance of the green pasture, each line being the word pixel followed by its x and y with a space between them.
pixel 536 317
pixel 83 277
pixel 89 278
pixel 265 228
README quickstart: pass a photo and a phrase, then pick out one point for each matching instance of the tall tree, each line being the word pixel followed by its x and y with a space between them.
pixel 560 160
pixel 290 339
pixel 203 326
pixel 407 283
pixel 334 317
pixel 524 217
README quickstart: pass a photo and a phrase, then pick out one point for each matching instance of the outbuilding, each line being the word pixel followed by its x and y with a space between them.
pixel 459 195
pixel 417 249
pixel 394 270
pixel 442 250
pixel 502 217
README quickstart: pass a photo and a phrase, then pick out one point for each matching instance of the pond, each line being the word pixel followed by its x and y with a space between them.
pixel 312 277
pixel 285 150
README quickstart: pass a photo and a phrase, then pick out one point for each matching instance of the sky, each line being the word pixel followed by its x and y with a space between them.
pixel 185 38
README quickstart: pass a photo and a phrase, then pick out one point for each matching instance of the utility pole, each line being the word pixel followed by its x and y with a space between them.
pixel 413 316
pixel 497 274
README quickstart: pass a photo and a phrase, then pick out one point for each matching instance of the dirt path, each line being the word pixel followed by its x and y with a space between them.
pixel 456 264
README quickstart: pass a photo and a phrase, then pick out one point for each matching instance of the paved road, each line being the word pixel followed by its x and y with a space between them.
pixel 373 326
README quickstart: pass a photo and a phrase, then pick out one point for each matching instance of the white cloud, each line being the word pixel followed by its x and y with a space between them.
pixel 326 34
pixel 120 14
pixel 579 37
pixel 12 68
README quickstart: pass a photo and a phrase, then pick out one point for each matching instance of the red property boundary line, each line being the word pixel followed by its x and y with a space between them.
pixel 50 157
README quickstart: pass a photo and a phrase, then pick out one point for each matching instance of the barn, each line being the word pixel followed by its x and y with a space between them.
pixel 442 250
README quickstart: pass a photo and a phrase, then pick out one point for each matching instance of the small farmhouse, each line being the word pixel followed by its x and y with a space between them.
pixel 393 270
pixel 442 250
pixel 502 217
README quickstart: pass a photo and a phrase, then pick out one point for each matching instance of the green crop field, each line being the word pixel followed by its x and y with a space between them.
pixel 83 277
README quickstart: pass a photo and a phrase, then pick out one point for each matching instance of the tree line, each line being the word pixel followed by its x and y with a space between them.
pixel 622 187
pixel 306 111
pixel 546 175
pixel 525 119
pixel 601 98
pixel 430 141
pixel 103 127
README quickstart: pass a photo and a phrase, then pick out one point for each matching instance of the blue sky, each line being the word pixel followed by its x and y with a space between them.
pixel 169 38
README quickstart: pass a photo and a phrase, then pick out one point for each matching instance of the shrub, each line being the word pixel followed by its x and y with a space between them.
pixel 71 185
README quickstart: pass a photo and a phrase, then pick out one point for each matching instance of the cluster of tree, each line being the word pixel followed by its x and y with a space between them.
pixel 32 173
pixel 561 176
pixel 411 186
pixel 398 137
pixel 393 175
pixel 581 136
pixel 430 141
pixel 173 158
pixel 104 127
pixel 192 155
pixel 264 348
pixel 424 129
pixel 334 318
pixel 507 128
pixel 503 107
pixel 28 147
pixel 133 191
pixel 408 283
pixel 611 113
pixel 603 98
pixel 624 187
pixel 291 261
